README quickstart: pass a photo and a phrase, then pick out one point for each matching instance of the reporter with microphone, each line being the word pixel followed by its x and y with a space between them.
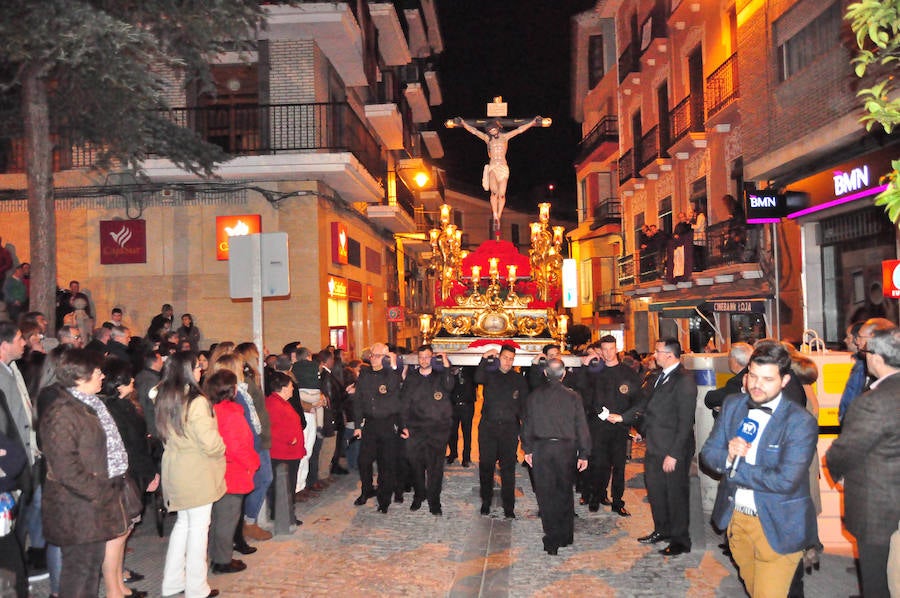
pixel 762 446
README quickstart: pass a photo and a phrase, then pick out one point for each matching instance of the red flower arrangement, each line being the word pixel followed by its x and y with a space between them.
pixel 495 341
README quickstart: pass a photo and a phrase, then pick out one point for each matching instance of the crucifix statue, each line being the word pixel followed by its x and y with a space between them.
pixel 494 133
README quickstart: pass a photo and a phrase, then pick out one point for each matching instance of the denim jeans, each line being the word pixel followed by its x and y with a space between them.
pixel 262 479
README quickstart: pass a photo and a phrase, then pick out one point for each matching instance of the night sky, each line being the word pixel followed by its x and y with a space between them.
pixel 519 50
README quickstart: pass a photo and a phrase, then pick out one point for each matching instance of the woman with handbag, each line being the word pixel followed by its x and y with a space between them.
pixel 88 499
pixel 193 472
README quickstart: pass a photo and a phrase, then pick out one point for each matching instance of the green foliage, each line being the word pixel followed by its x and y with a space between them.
pixel 876 25
pixel 105 62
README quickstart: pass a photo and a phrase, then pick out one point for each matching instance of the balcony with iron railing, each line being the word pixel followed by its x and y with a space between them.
pixel 604 133
pixel 609 302
pixel 627 169
pixel 654 36
pixel 687 127
pixel 722 87
pixel 242 130
pixel 608 211
pixel 625 271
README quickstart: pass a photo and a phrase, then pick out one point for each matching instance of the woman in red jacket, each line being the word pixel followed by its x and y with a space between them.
pixel 287 431
pixel 241 462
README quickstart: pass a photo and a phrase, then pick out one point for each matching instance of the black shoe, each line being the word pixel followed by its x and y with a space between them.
pixel 509 514
pixel 674 549
pixel 242 548
pixel 416 504
pixel 134 576
pixel 212 594
pixel 594 507
pixel 382 508
pixel 605 501
pixel 622 511
pixel 551 550
pixel 652 538
pixel 485 508
pixel 337 469
pixel 136 594
pixel 361 499
pixel 450 460
pixel 398 498
pixel 436 511
pixel 466 463
pixel 233 567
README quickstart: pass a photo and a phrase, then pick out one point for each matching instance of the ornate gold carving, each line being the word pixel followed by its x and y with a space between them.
pixel 531 326
pixel 457 325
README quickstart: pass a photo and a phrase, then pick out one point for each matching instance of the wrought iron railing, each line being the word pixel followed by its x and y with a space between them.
pixel 680 119
pixel 625 270
pixel 651 264
pixel 611 301
pixel 722 86
pixel 626 166
pixel 731 242
pixel 650 149
pixel 607 212
pixel 607 130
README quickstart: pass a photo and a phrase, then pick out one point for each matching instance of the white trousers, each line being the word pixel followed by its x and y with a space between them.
pixel 185 569
pixel 309 441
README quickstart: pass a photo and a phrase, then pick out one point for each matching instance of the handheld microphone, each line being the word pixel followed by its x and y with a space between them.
pixel 747 432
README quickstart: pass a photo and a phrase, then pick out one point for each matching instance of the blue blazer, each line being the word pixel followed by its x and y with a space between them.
pixel 780 477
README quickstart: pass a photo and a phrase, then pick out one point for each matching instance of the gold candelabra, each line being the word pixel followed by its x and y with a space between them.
pixel 446 258
pixel 545 253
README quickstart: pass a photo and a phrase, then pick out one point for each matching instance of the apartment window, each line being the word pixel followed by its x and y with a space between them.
pixel 638 226
pixel 514 234
pixel 595 60
pixel 458 219
pixel 809 43
pixel 354 257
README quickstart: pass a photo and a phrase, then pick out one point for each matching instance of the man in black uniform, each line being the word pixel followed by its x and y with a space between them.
pixel 554 437
pixel 463 412
pixel 539 363
pixel 498 433
pixel 376 412
pixel 616 387
pixel 427 414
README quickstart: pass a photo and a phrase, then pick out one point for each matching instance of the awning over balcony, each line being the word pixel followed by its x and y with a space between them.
pixel 388 123
pixel 434 88
pixel 418 39
pixel 433 143
pixel 331 25
pixel 391 39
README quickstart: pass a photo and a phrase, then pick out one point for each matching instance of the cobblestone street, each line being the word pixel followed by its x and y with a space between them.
pixel 358 551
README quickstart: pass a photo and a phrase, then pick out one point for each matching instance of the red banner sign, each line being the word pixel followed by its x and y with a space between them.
pixel 234 226
pixel 339 238
pixel 123 241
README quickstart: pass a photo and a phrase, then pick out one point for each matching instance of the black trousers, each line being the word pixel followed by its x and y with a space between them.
pixel 498 442
pixel 554 476
pixel 609 444
pixel 12 559
pixel 425 450
pixel 293 470
pixel 80 577
pixel 873 560
pixel 669 495
pixel 378 444
pixel 462 416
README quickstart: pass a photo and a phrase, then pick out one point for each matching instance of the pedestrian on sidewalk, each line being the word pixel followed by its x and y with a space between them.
pixel 556 442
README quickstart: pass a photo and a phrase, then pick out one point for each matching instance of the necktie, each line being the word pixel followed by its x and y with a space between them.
pixel 751 404
pixel 660 380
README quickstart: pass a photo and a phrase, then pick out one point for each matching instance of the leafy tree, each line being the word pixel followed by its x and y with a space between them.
pixel 876 25
pixel 95 72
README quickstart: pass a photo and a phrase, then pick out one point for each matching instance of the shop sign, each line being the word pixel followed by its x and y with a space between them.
pixel 123 241
pixel 395 313
pixel 741 306
pixel 234 226
pixel 339 243
pixel 890 270
pixel 354 290
pixel 337 287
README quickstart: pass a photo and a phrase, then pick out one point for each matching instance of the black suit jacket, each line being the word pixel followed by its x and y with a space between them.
pixel 716 397
pixel 867 456
pixel 669 415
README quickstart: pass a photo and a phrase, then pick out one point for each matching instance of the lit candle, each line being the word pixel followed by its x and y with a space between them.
pixel 493 270
pixel 558 234
pixel 476 273
pixel 562 324
pixel 433 235
pixel 511 273
pixel 445 213
pixel 425 323
pixel 450 229
pixel 544 211
pixel 458 236
pixel 535 230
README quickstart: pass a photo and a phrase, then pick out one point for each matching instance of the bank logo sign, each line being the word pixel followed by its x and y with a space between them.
pixel 123 241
